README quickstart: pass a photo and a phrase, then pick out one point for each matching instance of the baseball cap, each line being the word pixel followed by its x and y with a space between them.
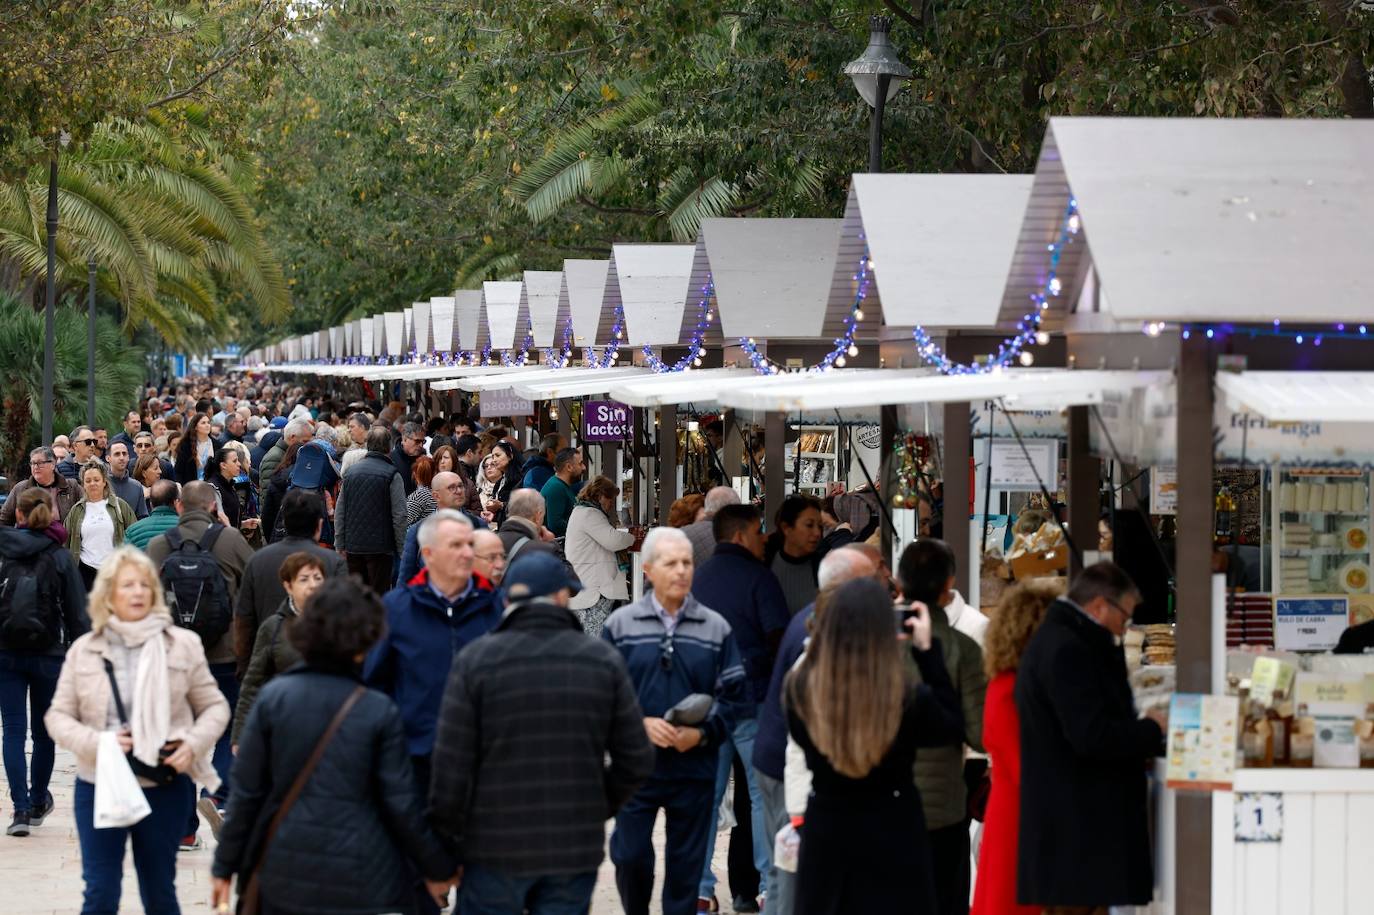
pixel 278 422
pixel 537 575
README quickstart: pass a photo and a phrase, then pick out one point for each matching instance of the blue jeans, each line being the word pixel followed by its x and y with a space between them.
pixel 27 682
pixel 490 892
pixel 223 759
pixel 741 742
pixel 155 849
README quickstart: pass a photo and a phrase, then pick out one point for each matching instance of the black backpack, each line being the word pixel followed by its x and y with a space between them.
pixel 31 602
pixel 196 592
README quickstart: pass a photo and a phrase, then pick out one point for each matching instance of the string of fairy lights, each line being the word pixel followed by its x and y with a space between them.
pixel 565 350
pixel 696 350
pixel 611 352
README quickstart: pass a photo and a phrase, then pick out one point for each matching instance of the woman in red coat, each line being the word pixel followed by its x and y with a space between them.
pixel 1018 616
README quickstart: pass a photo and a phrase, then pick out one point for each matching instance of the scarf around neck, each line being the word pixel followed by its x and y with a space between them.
pixel 150 706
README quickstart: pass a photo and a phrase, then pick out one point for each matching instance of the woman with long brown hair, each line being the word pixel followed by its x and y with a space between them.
pixel 1019 615
pixel 858 716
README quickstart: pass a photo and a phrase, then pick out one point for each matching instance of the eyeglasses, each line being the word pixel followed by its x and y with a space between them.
pixel 1119 609
pixel 142 446
pixel 665 652
pixel 490 557
pixel 85 441
pixel 40 463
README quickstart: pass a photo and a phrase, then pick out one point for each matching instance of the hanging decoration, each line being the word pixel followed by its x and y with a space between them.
pixel 611 352
pixel 695 350
pixel 1299 335
pixel 844 346
pixel 1028 330
pixel 561 359
pixel 520 358
pixel 910 454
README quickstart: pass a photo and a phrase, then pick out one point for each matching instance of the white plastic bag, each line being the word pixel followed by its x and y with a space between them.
pixel 119 799
pixel 787 849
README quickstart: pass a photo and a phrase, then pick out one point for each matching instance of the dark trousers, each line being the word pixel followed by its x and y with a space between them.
pixel 490 892
pixel 88 574
pixel 154 839
pixel 27 683
pixel 375 569
pixel 420 765
pixel 687 806
pixel 949 858
pixel 227 680
pixel 744 878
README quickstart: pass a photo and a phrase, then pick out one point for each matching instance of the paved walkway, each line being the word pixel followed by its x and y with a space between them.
pixel 41 874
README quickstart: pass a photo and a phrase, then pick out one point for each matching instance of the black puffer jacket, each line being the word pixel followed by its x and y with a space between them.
pixel 343 848
pixel 21 544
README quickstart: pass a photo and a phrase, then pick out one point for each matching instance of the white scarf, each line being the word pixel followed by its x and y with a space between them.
pixel 151 706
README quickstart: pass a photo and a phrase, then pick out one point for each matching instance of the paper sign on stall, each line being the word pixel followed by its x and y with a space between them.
pixel 1309 623
pixel 1202 741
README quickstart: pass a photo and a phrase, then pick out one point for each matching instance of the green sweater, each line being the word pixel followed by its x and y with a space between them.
pixel 159 521
pixel 559 500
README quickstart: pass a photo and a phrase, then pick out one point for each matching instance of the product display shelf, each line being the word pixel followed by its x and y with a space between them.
pixel 813 460
pixel 1320 532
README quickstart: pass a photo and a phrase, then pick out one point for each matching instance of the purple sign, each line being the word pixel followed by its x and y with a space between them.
pixel 605 421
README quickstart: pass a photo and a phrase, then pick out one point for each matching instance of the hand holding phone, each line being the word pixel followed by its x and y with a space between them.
pixel 916 620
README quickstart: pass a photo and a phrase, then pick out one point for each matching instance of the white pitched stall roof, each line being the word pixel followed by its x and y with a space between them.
pixel 472 330
pixel 408 336
pixel 573 382
pixel 464 376
pixel 336 343
pixel 1206 219
pixel 540 304
pixel 350 338
pixel 700 386
pixel 941 245
pixel 652 284
pixel 423 338
pixel 698 305
pixel 442 314
pixel 501 312
pixel 367 337
pixel 584 296
pixel 1306 397
pixel 395 333
pixel 774 277
pixel 1035 389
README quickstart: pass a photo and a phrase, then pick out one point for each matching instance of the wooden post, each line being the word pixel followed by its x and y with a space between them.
pixel 887 478
pixel 1193 822
pixel 667 460
pixel 774 465
pixel 564 425
pixel 1084 474
pixel 732 447
pixel 958 448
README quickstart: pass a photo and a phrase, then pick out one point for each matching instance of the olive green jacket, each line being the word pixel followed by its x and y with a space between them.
pixel 120 513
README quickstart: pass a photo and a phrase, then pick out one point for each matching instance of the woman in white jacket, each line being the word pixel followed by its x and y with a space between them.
pixel 591 545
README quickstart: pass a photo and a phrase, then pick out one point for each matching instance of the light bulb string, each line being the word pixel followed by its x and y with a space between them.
pixel 612 349
pixel 521 357
pixel 695 348
pixel 565 348
pixel 844 344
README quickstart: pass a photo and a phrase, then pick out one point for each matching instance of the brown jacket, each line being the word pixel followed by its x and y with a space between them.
pixel 67 492
pixel 81 705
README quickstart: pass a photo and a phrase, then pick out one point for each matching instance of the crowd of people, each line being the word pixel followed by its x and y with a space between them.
pixel 387 657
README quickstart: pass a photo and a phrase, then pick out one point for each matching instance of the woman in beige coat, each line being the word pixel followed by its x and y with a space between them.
pixel 172 715
pixel 591 545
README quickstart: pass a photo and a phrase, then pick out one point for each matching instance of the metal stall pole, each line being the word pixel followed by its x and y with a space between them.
pixel 958 449
pixel 774 464
pixel 1084 477
pixel 1193 811
pixel 886 488
pixel 667 460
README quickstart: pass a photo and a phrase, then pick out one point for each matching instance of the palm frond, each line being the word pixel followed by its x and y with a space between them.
pixel 686 200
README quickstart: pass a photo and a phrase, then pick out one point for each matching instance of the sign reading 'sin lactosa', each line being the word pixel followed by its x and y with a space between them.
pixel 605 421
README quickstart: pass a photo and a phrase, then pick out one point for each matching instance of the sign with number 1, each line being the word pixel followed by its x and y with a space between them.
pixel 1259 817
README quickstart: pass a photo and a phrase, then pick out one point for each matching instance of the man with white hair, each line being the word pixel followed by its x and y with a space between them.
pixel 523 530
pixel 297 430
pixel 678 653
pixel 770 745
pixel 428 621
pixel 700 532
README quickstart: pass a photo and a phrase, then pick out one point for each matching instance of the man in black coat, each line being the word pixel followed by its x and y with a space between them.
pixel 410 446
pixel 535 695
pixel 1084 838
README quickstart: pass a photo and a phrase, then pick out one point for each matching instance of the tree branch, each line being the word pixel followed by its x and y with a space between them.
pixel 904 14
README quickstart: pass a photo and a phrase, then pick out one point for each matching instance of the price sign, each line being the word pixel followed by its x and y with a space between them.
pixel 1259 817
pixel 1309 623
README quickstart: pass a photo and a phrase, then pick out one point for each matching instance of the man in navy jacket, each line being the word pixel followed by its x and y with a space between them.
pixel 674 648
pixel 736 584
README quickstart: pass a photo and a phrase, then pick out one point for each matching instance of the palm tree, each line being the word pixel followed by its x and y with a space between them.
pixel 169 219
pixel 119 373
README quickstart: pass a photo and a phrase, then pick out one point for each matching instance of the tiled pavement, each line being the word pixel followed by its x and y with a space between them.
pixel 41 874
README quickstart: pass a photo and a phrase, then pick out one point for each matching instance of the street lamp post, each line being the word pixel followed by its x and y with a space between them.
pixel 877 74
pixel 90 343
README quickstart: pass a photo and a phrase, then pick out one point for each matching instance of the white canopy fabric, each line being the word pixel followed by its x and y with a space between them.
pixel 1211 219
pixel 336 342
pixel 573 382
pixel 1031 389
pixel 543 289
pixel 692 386
pixel 367 337
pixel 422 337
pixel 583 294
pixel 501 305
pixel 652 282
pixel 1307 397
pixel 472 330
pixel 773 277
pixel 395 333
pixel 461 377
pixel 443 315
pixel 350 338
pixel 941 243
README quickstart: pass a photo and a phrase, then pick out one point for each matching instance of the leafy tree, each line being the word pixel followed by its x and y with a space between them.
pixel 119 372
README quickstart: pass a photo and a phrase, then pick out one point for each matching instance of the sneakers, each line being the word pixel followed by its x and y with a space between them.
pixel 745 904
pixel 41 812
pixel 213 815
pixel 190 843
pixel 20 826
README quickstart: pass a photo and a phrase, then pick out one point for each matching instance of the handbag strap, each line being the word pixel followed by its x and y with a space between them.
pixel 114 687
pixel 249 893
